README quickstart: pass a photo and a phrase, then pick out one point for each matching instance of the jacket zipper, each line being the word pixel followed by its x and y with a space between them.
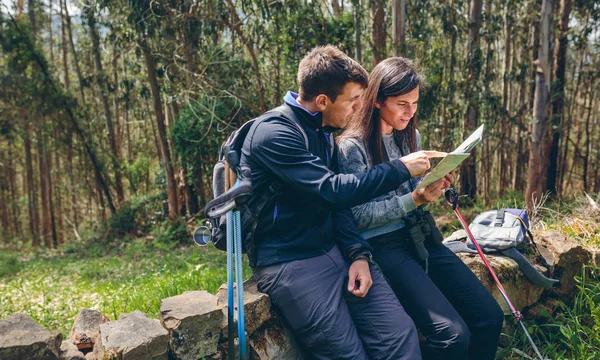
pixel 275 209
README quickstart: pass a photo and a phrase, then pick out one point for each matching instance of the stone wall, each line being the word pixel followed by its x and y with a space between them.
pixel 193 325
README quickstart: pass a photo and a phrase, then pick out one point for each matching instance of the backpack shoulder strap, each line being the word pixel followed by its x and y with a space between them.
pixel 286 112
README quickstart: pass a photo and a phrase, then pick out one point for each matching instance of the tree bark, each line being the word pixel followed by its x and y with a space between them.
pixel 379 37
pixel 119 145
pixel 34 219
pixel 588 136
pixel 44 191
pixel 63 37
pixel 102 85
pixel 75 57
pixel 538 160
pixel 357 30
pixel 504 159
pixel 337 9
pixel 448 100
pixel 31 12
pixel 162 130
pixel 398 26
pixel 14 191
pixel 57 185
pixel 558 93
pixel 468 177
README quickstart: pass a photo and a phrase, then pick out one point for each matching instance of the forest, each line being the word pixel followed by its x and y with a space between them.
pixel 106 103
pixel 112 113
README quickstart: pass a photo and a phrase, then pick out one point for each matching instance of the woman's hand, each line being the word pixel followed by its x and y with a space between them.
pixel 433 191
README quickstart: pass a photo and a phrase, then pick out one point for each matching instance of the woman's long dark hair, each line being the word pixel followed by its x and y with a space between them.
pixel 391 77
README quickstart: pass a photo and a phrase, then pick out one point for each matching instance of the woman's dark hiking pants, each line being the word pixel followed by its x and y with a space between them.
pixel 331 323
pixel 458 316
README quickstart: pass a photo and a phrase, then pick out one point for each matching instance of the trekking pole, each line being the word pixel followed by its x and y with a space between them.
pixel 452 198
pixel 234 264
pixel 202 236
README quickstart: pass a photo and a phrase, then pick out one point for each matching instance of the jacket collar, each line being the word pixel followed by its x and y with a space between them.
pixel 314 120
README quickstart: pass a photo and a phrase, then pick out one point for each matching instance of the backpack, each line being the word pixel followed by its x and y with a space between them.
pixel 232 188
pixel 504 232
pixel 497 230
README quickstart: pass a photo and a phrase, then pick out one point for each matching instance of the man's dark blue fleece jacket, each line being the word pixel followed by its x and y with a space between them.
pixel 309 212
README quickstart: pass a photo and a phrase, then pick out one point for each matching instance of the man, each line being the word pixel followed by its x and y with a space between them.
pixel 307 254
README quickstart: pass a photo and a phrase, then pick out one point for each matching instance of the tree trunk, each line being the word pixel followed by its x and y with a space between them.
pixel 102 85
pixel 572 107
pixel 357 30
pixel 448 100
pixel 558 93
pixel 379 38
pixel 57 184
pixel 162 130
pixel 398 26
pixel 191 200
pixel 74 211
pixel 50 34
pixel 4 213
pixel 468 177
pixel 31 12
pixel 46 207
pixel 588 138
pixel 518 179
pixel 504 159
pixel 34 219
pixel 75 57
pixel 337 9
pixel 115 69
pixel 63 39
pixel 538 160
pixel 14 191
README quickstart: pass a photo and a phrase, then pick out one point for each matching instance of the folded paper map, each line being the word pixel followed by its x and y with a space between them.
pixel 453 159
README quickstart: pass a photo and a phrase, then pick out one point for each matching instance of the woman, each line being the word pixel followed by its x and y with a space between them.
pixel 457 315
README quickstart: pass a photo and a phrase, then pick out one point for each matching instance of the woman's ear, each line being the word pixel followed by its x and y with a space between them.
pixel 378 105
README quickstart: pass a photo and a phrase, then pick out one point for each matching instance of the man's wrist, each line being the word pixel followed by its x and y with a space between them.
pixel 362 254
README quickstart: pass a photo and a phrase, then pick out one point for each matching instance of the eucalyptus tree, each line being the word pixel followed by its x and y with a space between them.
pixel 538 159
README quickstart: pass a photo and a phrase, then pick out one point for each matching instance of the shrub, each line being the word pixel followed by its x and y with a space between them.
pixel 171 233
pixel 9 264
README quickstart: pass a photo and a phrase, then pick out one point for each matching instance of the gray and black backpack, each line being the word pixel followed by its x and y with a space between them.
pixel 505 232
pixel 232 189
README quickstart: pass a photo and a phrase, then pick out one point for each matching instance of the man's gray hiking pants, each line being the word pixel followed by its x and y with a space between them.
pixel 331 323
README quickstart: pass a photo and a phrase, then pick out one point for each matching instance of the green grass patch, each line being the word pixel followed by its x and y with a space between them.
pixel 573 332
pixel 52 286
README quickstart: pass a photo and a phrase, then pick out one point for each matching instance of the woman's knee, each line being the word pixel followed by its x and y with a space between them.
pixel 459 338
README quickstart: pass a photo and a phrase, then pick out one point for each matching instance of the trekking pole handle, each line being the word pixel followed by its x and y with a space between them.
pixel 451 196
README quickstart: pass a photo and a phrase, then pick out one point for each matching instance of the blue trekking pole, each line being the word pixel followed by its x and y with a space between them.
pixel 234 265
pixel 202 236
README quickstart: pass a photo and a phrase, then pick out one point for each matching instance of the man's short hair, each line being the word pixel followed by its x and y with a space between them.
pixel 326 70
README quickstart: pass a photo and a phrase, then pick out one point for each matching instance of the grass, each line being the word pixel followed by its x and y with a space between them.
pixel 52 286
pixel 123 275
pixel 573 332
